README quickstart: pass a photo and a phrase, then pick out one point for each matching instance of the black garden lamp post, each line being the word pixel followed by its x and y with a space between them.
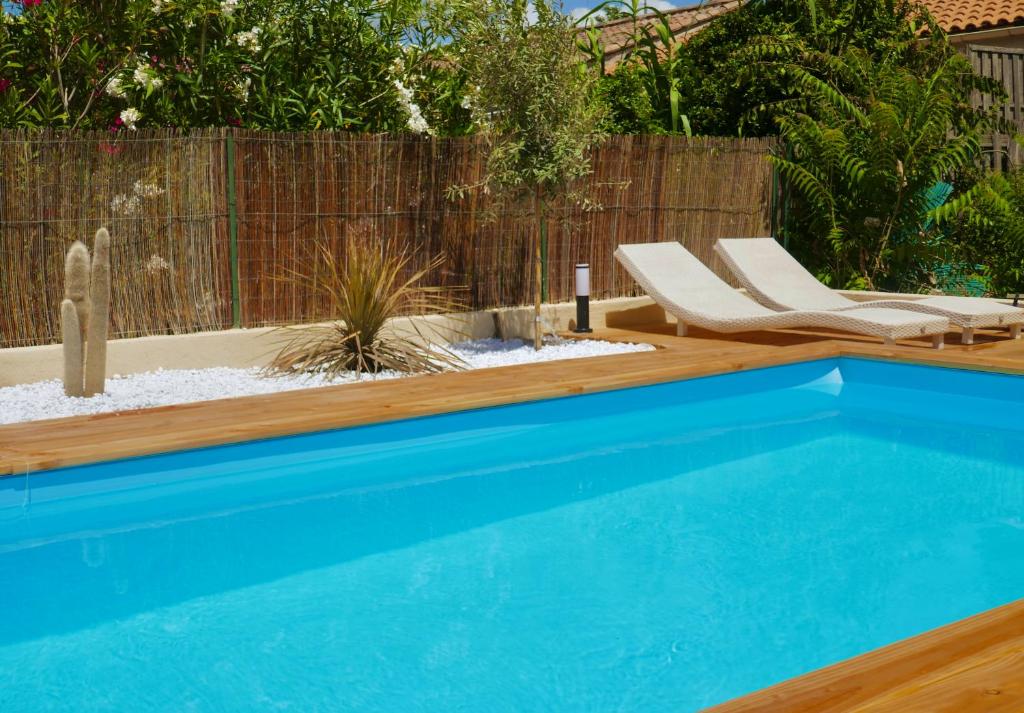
pixel 582 298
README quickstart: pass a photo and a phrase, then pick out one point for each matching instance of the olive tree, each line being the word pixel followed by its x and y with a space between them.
pixel 532 98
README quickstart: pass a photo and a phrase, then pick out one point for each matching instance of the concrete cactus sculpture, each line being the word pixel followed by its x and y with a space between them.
pixel 85 314
pixel 73 384
pixel 99 315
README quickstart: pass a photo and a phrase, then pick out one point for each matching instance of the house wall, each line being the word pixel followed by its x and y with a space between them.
pixel 1012 38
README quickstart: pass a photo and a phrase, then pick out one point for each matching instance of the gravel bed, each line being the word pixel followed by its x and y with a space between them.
pixel 46 399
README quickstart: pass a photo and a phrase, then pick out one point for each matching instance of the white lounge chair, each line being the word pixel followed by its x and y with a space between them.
pixel 777 280
pixel 687 289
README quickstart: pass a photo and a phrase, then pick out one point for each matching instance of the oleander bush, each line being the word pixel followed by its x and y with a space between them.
pixel 365 65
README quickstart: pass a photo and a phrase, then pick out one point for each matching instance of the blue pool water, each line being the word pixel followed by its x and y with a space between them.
pixel 654 549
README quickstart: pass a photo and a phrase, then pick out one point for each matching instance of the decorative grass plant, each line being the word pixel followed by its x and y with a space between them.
pixel 365 292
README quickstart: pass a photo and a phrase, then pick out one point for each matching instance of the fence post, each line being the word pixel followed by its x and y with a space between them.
pixel 236 302
pixel 543 257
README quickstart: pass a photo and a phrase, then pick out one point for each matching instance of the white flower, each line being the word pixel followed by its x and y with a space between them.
pixel 130 117
pixel 249 39
pixel 115 88
pixel 124 204
pixel 158 6
pixel 146 78
pixel 228 7
pixel 404 93
pixel 416 123
pixel 242 89
pixel 147 190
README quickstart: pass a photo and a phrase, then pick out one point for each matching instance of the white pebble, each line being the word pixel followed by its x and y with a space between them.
pixel 163 387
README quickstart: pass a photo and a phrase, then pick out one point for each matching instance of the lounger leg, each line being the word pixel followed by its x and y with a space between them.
pixel 1015 331
pixel 938 341
pixel 888 341
pixel 968 336
pixel 680 328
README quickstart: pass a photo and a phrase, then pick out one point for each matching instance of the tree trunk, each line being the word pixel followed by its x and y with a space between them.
pixel 537 272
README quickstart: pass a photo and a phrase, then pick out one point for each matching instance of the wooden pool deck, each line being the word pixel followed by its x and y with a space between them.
pixel 969 666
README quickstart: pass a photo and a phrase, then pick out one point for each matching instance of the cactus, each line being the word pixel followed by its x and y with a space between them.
pixel 84 316
pixel 76 282
pixel 72 348
pixel 99 315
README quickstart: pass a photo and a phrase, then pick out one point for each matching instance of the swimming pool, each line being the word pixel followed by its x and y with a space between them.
pixel 652 549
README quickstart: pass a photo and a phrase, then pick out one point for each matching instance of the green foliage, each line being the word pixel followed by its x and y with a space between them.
pixel 876 136
pixel 629 109
pixel 869 132
pixel 529 94
pixel 655 65
pixel 707 78
pixel 989 230
pixel 370 65
pixel 715 100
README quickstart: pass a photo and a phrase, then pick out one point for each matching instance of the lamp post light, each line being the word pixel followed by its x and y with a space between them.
pixel 582 298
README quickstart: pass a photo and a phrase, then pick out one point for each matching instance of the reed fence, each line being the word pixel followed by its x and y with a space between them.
pixel 209 224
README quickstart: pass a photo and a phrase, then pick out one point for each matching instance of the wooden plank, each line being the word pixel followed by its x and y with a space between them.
pixel 1007 66
pixel 972 665
pixel 71 441
pixel 85 439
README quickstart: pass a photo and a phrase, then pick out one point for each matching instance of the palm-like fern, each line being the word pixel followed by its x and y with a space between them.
pixel 987 225
pixel 868 134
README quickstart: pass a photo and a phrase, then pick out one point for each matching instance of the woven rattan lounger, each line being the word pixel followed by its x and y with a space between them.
pixel 687 289
pixel 776 279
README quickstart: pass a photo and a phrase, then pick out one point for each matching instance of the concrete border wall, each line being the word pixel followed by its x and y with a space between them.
pixel 242 348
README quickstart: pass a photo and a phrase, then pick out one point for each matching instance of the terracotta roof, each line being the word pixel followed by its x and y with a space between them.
pixel 954 16
pixel 972 15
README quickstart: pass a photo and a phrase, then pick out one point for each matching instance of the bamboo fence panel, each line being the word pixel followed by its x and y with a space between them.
pixel 160 193
pixel 172 258
pixel 296 189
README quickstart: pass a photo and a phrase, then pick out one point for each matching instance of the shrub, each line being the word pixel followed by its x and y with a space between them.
pixel 989 233
pixel 868 137
pixel 273 64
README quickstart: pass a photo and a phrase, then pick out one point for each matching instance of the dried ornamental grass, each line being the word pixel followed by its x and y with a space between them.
pixel 365 291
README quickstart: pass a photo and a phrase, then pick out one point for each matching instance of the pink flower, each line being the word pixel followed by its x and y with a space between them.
pixel 234 121
pixel 5 84
pixel 31 3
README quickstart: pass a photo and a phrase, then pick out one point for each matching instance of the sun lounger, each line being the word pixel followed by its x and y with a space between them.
pixel 687 289
pixel 776 279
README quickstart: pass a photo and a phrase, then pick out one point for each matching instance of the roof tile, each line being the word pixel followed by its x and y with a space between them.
pixel 971 15
pixel 952 15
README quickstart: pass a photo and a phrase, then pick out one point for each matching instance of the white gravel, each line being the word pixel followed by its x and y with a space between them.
pixel 46 399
